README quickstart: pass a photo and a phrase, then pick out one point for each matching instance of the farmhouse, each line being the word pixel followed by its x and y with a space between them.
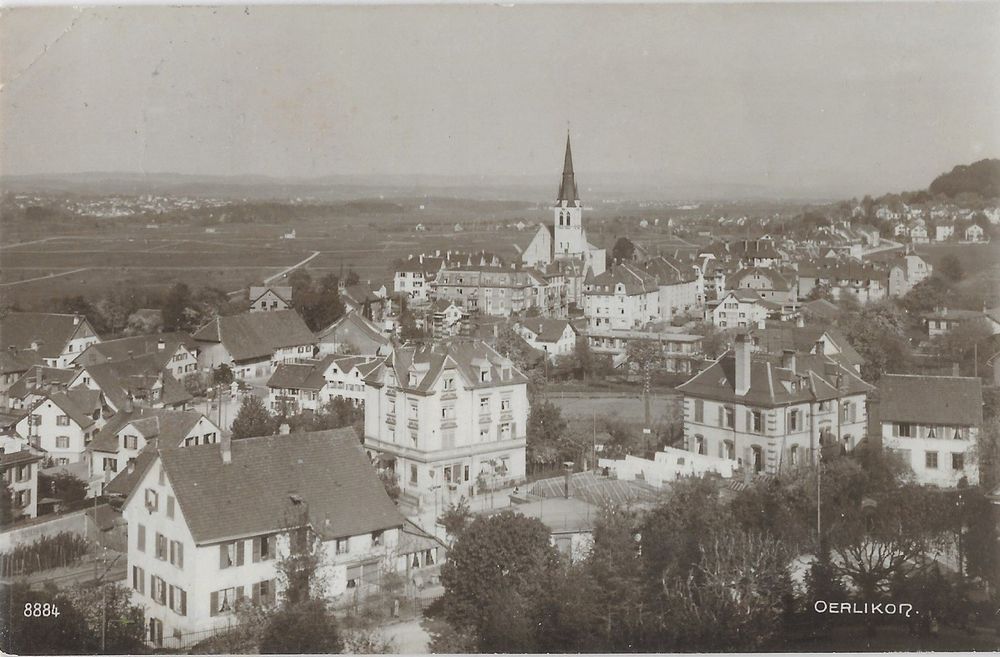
pixel 62 424
pixel 270 298
pixel 175 353
pixel 253 344
pixel 556 337
pixel 139 380
pixel 352 334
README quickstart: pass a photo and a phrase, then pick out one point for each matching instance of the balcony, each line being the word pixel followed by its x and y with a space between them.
pixel 449 423
pixel 412 424
pixel 506 416
pixel 390 419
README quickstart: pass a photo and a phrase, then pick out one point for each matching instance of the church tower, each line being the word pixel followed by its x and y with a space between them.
pixel 568 238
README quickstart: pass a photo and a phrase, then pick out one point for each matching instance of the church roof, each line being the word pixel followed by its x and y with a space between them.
pixel 567 188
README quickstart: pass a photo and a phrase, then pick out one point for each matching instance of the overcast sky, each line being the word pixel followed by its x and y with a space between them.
pixel 853 97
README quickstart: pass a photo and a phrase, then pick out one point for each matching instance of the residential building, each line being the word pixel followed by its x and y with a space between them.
pixel 499 291
pixel 770 414
pixel 19 471
pixel 57 338
pixel 352 334
pixel 944 320
pixel 310 384
pixel 944 232
pixel 918 234
pixel 740 308
pixel 867 282
pixel 906 271
pixel 270 298
pixel 680 350
pixel 175 353
pixel 253 344
pixel 624 297
pixel 448 318
pixel 372 302
pixel 933 423
pixel 570 521
pixel 776 338
pixel 36 382
pixel 14 365
pixel 975 233
pixel 772 284
pixel 556 337
pixel 62 423
pixel 141 380
pixel 127 433
pixel 681 286
pixel 189 564
pixel 447 418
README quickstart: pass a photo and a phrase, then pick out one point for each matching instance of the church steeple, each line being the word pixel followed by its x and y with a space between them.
pixel 567 189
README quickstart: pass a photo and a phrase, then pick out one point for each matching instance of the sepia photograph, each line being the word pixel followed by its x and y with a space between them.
pixel 522 328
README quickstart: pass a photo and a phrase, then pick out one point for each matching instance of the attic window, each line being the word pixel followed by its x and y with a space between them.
pixel 484 375
pixel 413 379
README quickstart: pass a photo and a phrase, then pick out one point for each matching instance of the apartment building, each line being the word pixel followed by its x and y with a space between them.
pixel 308 385
pixel 771 413
pixel 448 419
pixel 623 297
pixel 19 470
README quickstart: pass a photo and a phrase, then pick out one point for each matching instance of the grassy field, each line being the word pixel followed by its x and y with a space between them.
pixel 578 408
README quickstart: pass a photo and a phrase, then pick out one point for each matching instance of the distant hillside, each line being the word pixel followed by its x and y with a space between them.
pixel 981 178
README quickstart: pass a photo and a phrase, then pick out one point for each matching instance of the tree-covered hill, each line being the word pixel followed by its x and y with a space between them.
pixel 982 178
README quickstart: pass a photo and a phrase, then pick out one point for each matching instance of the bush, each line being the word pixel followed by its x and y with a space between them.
pixel 305 628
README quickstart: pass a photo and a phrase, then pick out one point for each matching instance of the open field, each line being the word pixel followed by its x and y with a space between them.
pixel 629 407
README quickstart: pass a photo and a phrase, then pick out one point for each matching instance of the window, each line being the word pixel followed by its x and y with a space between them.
pixel 484 375
pixel 730 417
pixel 224 600
pixel 484 405
pixel 152 499
pixel 931 460
pixel 505 404
pixel 465 476
pixel 343 545
pixel 376 538
pixel 264 547
pixel 62 421
pixel 138 579
pixel 131 442
pixel 35 420
pixel 700 443
pixel 846 412
pixel 699 410
pixel 161 547
pixel 170 506
pixel 903 430
pixel 793 420
pixel 177 554
pixel 413 438
pixel 62 442
pixel 957 461
pixel 140 539
pixel 413 475
pixel 756 422
pixel 110 464
pixel 158 589
pixel 231 554
pixel 177 600
pixel 263 593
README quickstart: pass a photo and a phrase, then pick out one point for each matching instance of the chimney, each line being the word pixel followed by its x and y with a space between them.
pixel 161 344
pixel 131 466
pixel 820 348
pixel 788 359
pixel 227 448
pixel 284 429
pixel 76 320
pixel 38 376
pixel 128 404
pixel 742 352
pixel 566 483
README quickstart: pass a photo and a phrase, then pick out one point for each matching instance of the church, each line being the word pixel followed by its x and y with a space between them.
pixel 564 244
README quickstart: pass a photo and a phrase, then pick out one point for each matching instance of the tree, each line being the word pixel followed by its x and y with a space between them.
pixel 351 278
pixel 583 357
pixel 196 384
pixel 646 356
pixel 927 295
pixel 615 568
pixel 958 344
pixel 878 333
pixel 65 634
pixel 6 506
pixel 390 480
pixel 252 419
pixel 500 563
pixel 623 250
pixel 951 268
pixel 307 628
pixel 735 599
pixel 63 486
pixel 222 375
pixel 108 612
pixel 456 518
pixel 175 307
pixel 546 427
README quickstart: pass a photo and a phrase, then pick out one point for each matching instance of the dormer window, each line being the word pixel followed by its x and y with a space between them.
pixel 484 375
pixel 413 379
pixel 449 383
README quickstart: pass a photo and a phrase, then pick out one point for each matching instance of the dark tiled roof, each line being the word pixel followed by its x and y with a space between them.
pixel 283 292
pixel 954 315
pixel 815 378
pixel 136 346
pixel 125 482
pixel 355 321
pixel 567 187
pixel 257 335
pixel 51 376
pixel 307 376
pixel 669 271
pixel 13 361
pixel 429 361
pixel 52 330
pixel 9 459
pixel 547 329
pixel 776 337
pixel 119 379
pixel 327 470
pixel 781 281
pixel 822 308
pixel 168 426
pixel 635 280
pixel 79 404
pixel 948 400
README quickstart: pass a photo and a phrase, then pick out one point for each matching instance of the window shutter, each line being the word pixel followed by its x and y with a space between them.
pixel 255 593
pixel 170 506
pixel 749 427
pixel 239 593
pixel 747 457
pixel 722 449
pixel 272 591
pixel 184 602
pixel 895 429
pixel 513 429
pixel 214 604
pixel 170 597
pixel 223 557
pixel 272 546
pixel 722 417
pixel 256 548
pixel 854 412
pixel 180 555
pixel 239 552
pixel 141 539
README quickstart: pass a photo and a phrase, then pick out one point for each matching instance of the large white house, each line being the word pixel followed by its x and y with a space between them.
pixel 933 423
pixel 772 413
pixel 208 524
pixel 312 383
pixel 253 344
pixel 447 418
pixel 624 297
pixel 62 423
pixel 556 337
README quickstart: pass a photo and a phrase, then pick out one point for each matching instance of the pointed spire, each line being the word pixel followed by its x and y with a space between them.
pixel 567 189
